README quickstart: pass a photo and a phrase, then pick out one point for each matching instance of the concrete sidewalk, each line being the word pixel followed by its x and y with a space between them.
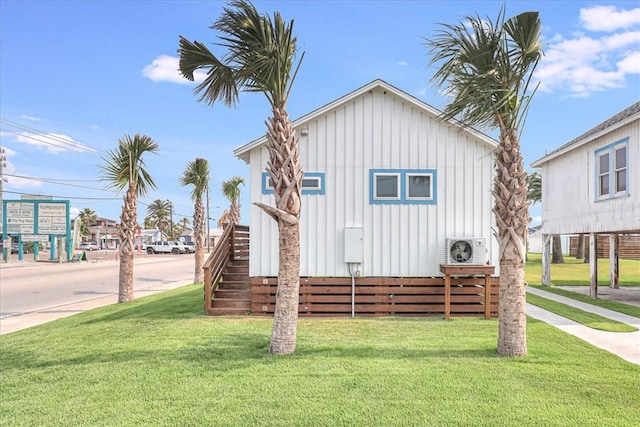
pixel 625 345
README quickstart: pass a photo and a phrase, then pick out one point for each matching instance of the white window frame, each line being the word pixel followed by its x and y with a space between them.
pixel 613 170
pixel 396 175
pixel 410 175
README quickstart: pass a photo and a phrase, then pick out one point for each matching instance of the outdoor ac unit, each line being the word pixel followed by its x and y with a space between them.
pixel 470 251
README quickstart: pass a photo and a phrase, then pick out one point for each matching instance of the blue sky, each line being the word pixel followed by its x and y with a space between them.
pixel 75 76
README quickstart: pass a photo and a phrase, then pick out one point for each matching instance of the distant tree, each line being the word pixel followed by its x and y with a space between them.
pixel 87 218
pixel 261 57
pixel 125 168
pixel 231 190
pixel 486 67
pixel 196 174
pixel 149 223
pixel 158 211
pixel 185 225
pixel 534 194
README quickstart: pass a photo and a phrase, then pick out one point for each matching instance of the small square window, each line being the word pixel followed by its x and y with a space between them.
pixel 419 186
pixel 387 186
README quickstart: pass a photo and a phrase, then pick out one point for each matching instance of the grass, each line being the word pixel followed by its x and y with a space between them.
pixel 159 361
pixel 591 320
pixel 574 272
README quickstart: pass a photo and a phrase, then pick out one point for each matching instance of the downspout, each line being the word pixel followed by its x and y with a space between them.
pixel 353 291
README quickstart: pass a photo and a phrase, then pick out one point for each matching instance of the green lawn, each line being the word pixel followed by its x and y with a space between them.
pixel 160 362
pixel 576 272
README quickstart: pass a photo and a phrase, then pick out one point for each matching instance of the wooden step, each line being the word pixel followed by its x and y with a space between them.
pixel 240 304
pixel 218 311
pixel 235 285
pixel 233 294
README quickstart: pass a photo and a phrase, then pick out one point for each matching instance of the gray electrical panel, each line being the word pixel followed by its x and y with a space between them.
pixel 353 244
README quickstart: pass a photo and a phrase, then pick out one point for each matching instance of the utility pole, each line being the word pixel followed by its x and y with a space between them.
pixel 3 179
pixel 170 219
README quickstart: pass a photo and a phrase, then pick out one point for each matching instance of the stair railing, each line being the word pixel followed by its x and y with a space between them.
pixel 215 264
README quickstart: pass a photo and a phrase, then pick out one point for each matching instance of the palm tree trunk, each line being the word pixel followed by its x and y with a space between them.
pixel 285 318
pixel 285 172
pixel 512 216
pixel 580 250
pixel 198 233
pixel 557 257
pixel 128 229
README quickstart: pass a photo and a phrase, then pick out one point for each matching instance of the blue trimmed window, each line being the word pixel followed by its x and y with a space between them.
pixel 612 175
pixel 312 183
pixel 402 186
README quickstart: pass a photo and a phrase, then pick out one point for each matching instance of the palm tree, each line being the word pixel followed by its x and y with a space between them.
pixel 231 190
pixel 487 67
pixel 158 211
pixel 260 58
pixel 125 168
pixel 197 174
pixel 87 217
pixel 185 224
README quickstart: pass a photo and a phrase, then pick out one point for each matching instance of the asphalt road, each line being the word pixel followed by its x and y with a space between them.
pixel 36 292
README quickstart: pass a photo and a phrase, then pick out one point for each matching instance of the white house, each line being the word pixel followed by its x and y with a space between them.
pixel 591 185
pixel 381 169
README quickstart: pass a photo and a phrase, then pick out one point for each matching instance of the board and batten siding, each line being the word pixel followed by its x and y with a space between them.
pixel 379 130
pixel 569 204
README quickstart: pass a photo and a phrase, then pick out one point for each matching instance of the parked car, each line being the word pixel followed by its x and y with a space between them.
pixel 88 246
pixel 165 247
pixel 191 246
pixel 15 248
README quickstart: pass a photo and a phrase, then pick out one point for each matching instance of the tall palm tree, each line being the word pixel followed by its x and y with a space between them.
pixel 87 217
pixel 158 211
pixel 125 168
pixel 185 224
pixel 487 67
pixel 197 174
pixel 260 58
pixel 231 190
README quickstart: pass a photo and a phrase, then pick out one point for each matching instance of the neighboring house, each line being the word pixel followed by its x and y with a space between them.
pixel 105 232
pixel 381 167
pixel 591 185
pixel 145 237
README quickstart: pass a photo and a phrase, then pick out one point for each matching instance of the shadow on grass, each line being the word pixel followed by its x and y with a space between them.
pixel 181 303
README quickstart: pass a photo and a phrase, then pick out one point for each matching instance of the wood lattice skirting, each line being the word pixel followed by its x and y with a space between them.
pixel 381 296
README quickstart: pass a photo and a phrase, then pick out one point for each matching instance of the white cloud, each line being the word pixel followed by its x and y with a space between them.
pixel 609 18
pixel 31 118
pixel 585 63
pixel 403 63
pixel 52 142
pixel 165 69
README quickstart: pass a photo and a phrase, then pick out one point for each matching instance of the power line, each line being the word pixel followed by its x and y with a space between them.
pixel 59 142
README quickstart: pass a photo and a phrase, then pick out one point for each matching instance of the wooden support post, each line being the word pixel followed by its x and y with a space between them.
pixel 546 260
pixel 447 296
pixel 487 296
pixel 614 266
pixel 593 265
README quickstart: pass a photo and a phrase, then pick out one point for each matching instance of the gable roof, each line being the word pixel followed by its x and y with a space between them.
pixel 624 117
pixel 242 152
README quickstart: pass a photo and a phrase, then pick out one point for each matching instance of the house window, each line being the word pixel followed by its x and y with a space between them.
pixel 402 186
pixel 312 183
pixel 611 170
pixel 386 186
pixel 419 186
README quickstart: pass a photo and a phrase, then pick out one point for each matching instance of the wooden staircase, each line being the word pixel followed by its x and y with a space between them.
pixel 227 284
pixel 232 296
